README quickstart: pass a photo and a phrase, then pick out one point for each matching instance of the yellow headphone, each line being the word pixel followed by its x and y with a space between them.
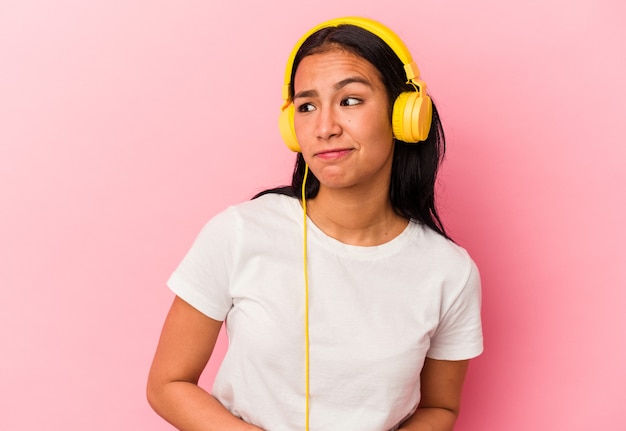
pixel 412 110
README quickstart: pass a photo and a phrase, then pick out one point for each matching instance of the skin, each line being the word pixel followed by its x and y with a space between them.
pixel 343 126
pixel 173 390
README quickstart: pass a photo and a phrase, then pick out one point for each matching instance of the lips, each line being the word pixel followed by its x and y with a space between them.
pixel 335 153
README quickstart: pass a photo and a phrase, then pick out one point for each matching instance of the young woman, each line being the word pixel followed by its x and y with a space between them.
pixel 360 314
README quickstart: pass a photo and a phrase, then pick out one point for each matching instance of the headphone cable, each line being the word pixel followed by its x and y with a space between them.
pixel 306 305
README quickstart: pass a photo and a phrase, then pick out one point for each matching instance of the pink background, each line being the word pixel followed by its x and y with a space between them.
pixel 125 125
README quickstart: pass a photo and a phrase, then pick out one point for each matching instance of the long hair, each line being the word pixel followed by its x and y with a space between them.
pixel 415 166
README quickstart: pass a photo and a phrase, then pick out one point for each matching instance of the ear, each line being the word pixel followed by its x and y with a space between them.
pixel 287 129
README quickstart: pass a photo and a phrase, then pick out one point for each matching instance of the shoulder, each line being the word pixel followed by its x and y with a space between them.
pixel 440 253
pixel 247 226
pixel 265 213
pixel 439 247
pixel 270 208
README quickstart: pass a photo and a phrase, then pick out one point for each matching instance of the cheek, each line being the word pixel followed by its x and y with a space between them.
pixel 379 125
pixel 299 128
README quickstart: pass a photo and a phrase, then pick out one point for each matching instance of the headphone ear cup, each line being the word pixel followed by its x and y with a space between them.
pixel 286 127
pixel 411 117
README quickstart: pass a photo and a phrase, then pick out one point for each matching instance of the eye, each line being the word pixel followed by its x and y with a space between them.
pixel 305 107
pixel 351 101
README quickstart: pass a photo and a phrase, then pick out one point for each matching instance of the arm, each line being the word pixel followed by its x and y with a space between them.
pixel 185 346
pixel 441 386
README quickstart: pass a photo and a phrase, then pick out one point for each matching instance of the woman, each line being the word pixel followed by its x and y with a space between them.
pixel 373 330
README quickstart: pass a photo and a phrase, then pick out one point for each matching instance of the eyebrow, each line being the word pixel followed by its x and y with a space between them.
pixel 350 80
pixel 338 86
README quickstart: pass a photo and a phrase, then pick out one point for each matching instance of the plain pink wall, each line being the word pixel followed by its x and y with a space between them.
pixel 125 125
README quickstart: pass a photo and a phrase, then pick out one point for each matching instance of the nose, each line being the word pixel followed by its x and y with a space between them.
pixel 327 125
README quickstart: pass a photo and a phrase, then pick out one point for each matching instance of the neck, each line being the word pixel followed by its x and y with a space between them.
pixel 354 218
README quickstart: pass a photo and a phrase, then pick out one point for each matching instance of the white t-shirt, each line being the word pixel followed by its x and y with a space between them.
pixel 374 313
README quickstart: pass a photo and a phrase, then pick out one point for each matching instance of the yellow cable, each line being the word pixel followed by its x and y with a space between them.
pixel 306 306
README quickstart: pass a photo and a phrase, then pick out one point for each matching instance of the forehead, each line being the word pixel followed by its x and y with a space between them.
pixel 335 64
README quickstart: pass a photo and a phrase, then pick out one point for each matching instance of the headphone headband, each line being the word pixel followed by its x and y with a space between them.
pixel 412 110
pixel 374 27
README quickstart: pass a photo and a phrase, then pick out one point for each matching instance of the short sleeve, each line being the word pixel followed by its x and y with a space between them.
pixel 202 277
pixel 459 333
